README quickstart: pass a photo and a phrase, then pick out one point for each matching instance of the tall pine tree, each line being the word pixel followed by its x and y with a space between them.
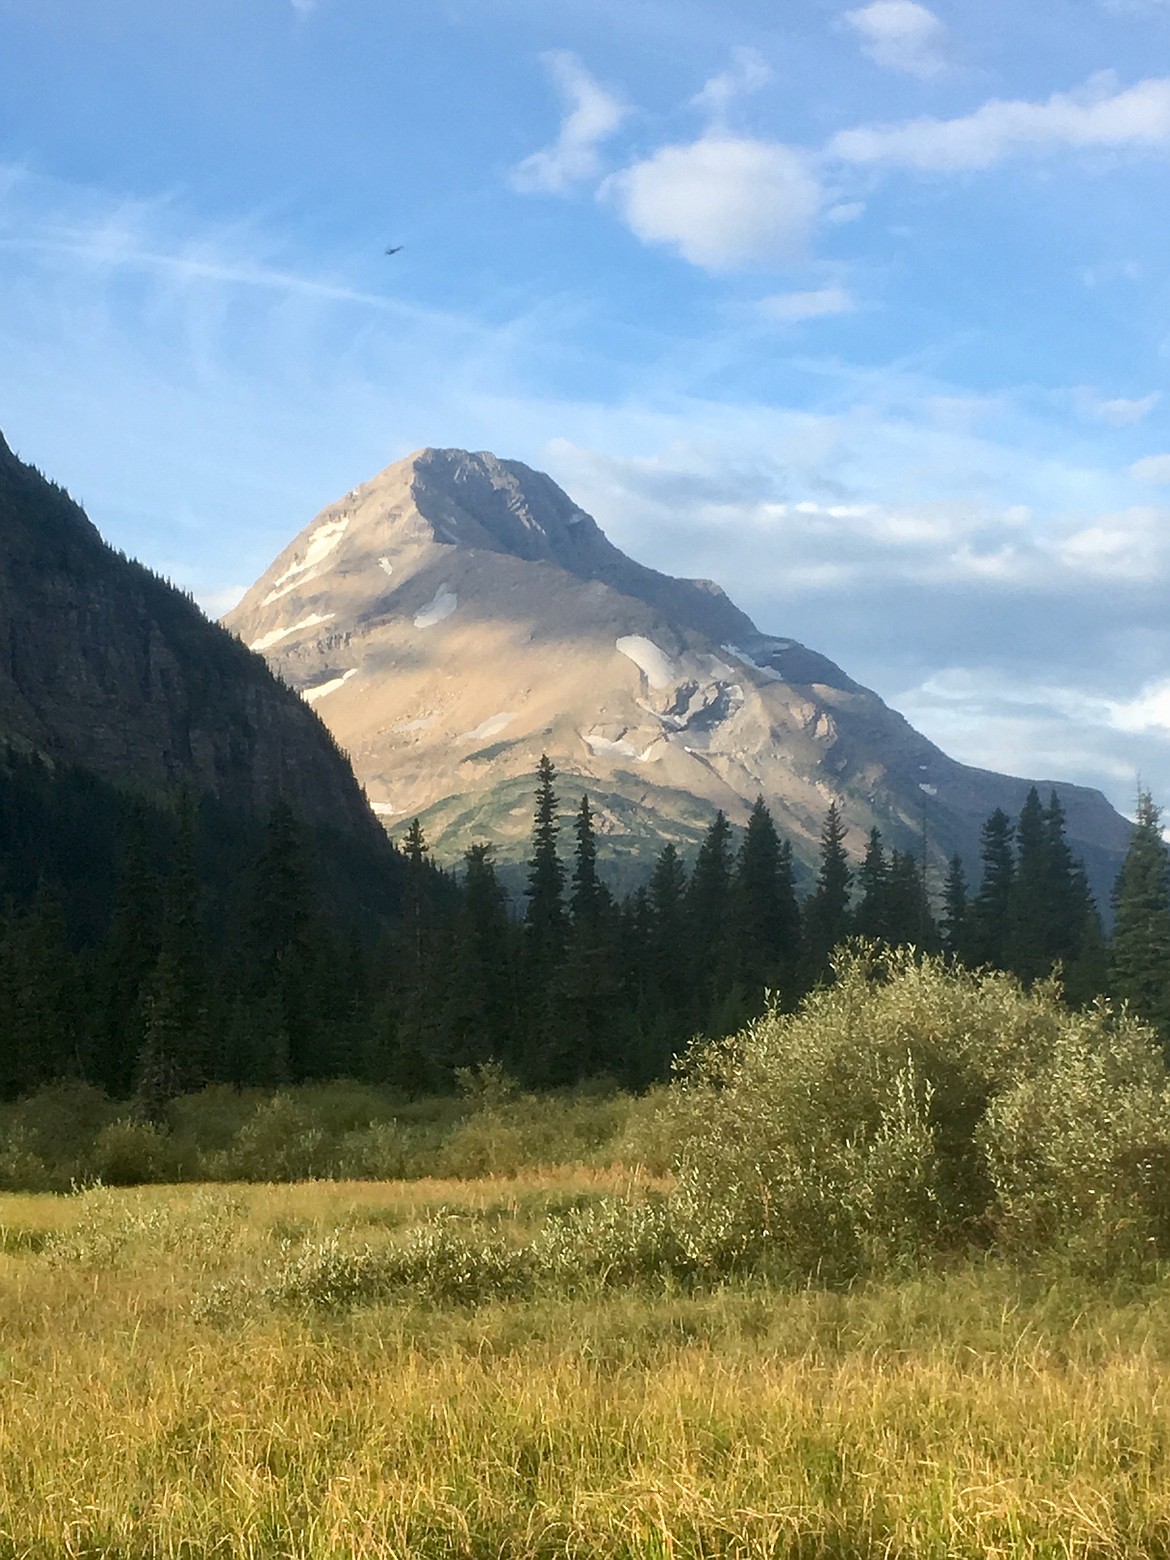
pixel 1141 937
pixel 988 925
pixel 765 914
pixel 826 911
pixel 545 933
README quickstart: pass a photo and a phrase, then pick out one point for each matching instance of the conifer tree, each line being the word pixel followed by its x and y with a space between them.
pixel 545 921
pixel 1141 936
pixel 175 1046
pixel 1051 914
pixel 954 916
pixel 1075 925
pixel 1030 906
pixel 989 910
pixel 765 914
pixel 871 917
pixel 708 918
pixel 545 934
pixel 649 1035
pixel 909 920
pixel 590 898
pixel 589 989
pixel 415 849
pixel 412 1048
pixel 478 1008
pixel 826 911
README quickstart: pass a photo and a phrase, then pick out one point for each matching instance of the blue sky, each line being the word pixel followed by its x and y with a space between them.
pixel 862 310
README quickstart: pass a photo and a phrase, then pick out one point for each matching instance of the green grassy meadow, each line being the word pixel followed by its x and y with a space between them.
pixel 160 1396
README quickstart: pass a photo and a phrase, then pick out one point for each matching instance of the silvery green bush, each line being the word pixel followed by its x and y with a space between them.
pixel 912 1108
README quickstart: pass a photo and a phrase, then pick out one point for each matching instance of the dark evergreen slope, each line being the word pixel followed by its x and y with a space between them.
pixel 105 665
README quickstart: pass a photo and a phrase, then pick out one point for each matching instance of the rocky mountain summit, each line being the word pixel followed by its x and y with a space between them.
pixel 458 615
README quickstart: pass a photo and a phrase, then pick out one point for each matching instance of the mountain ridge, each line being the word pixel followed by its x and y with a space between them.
pixel 105 665
pixel 457 615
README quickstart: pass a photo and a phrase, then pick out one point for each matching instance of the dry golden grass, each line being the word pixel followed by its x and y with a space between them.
pixel 976 1413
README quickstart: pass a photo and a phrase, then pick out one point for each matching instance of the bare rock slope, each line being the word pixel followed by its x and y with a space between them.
pixel 458 615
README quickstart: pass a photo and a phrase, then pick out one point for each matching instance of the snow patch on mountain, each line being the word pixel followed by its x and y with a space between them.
pixel 322 542
pixel 490 727
pixel 742 656
pixel 311 695
pixel 596 743
pixel 277 634
pixel 654 664
pixel 440 606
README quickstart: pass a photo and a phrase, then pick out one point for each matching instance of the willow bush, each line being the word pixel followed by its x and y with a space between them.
pixel 911 1109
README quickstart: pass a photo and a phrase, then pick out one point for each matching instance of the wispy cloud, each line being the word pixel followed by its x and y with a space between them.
pixel 95 251
pixel 1098 116
pixel 749 72
pixel 722 202
pixel 1117 411
pixel 1152 468
pixel 793 306
pixel 901 35
pixel 593 115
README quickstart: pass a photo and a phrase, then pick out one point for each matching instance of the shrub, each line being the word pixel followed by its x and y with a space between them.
pixel 131 1153
pixel 385 1151
pixel 911 1108
pixel 508 1133
pixel 59 1123
pixel 280 1141
pixel 614 1241
pixel 1079 1151
pixel 444 1260
pixel 112 1224
pixel 652 1131
pixel 21 1168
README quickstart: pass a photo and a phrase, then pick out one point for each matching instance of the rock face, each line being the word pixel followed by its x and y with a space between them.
pixel 459 615
pixel 104 665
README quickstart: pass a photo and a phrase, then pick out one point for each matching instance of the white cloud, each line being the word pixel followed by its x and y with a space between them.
pixel 1152 468
pixel 1149 710
pixel 1097 116
pixel 901 35
pixel 1119 412
pixel 845 211
pixel 1128 545
pixel 304 7
pixel 593 114
pixel 722 202
pixel 794 306
pixel 749 72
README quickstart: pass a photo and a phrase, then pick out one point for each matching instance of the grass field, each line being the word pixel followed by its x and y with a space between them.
pixel 166 1391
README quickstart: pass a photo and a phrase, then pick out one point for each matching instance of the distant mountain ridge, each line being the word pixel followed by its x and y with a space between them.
pixel 458 615
pixel 106 666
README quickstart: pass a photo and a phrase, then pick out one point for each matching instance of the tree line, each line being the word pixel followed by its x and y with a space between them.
pixel 153 975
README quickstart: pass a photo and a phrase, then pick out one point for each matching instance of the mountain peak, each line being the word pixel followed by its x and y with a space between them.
pixel 442 512
pixel 458 615
pixel 478 500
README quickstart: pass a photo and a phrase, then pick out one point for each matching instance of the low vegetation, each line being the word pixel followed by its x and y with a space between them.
pixel 884 1276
